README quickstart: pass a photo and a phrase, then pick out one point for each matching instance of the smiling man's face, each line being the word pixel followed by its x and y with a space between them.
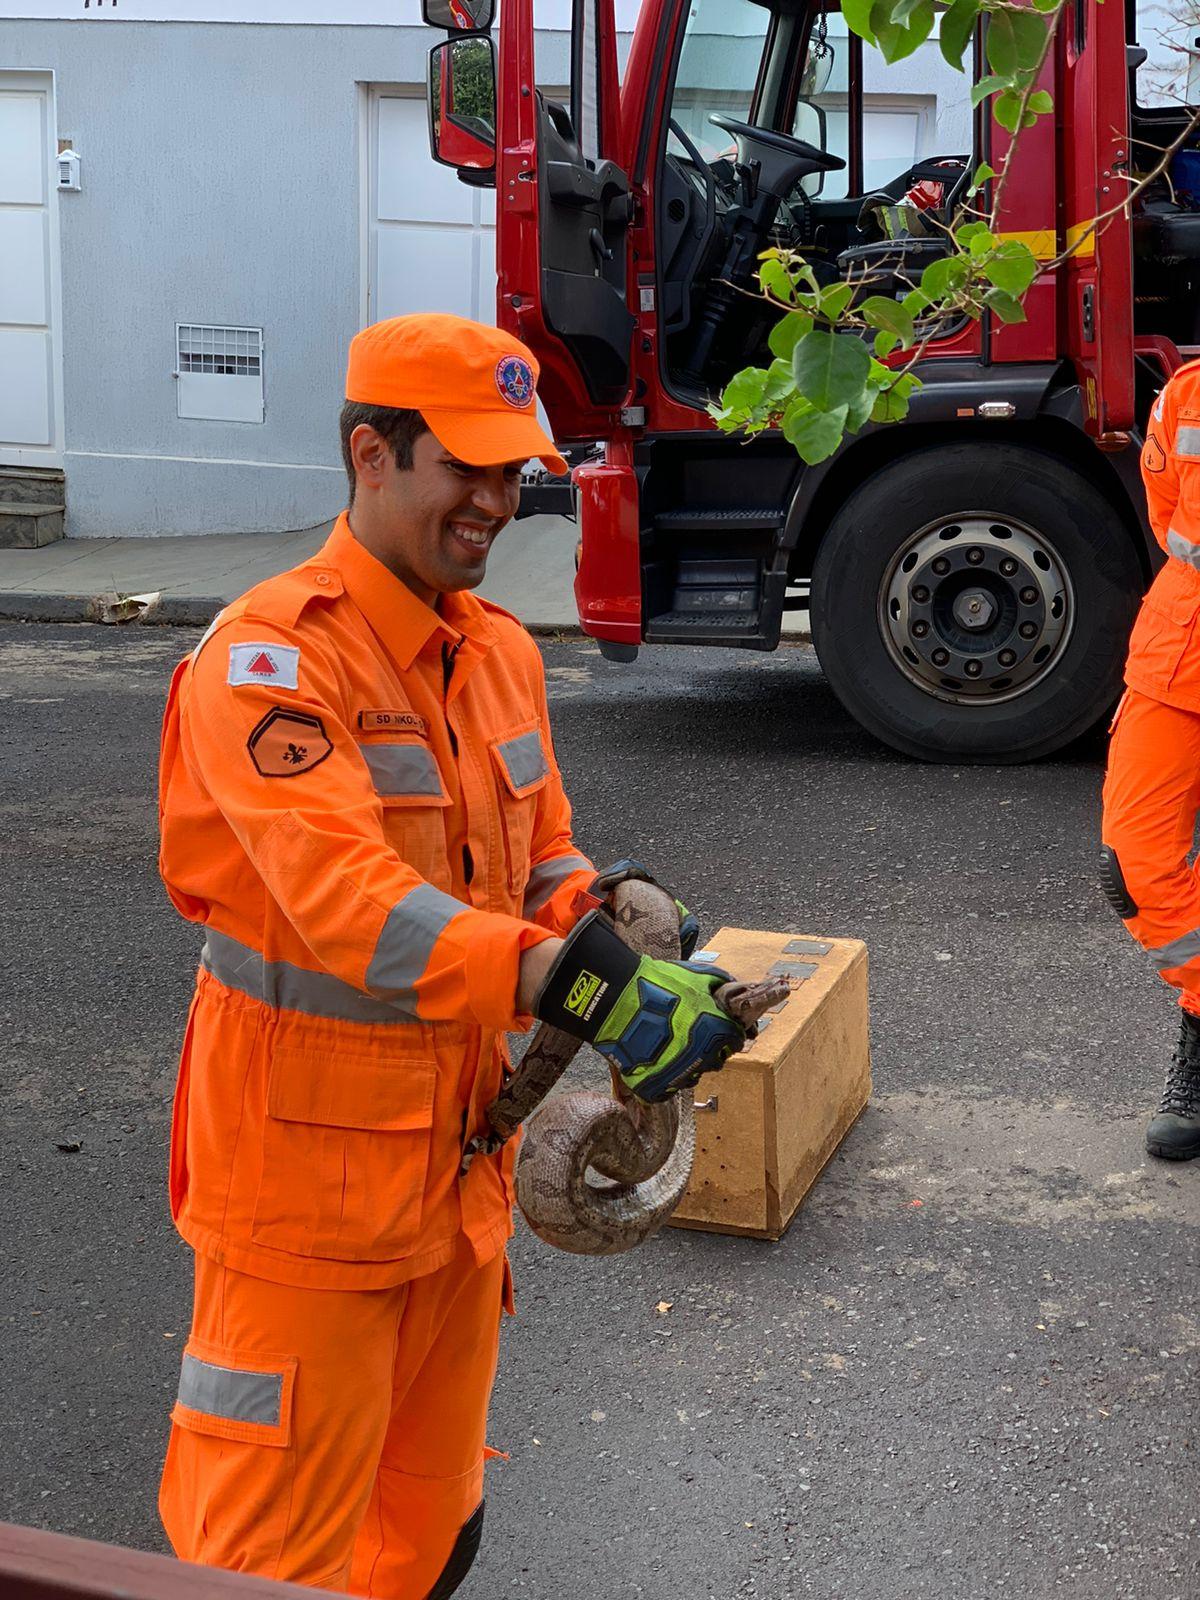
pixel 432 524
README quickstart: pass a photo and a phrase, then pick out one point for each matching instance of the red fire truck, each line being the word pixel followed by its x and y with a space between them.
pixel 972 573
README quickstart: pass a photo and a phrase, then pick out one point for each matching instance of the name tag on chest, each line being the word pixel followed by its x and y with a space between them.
pixel 393 721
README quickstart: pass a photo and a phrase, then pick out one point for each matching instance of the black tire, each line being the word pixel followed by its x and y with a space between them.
pixel 855 572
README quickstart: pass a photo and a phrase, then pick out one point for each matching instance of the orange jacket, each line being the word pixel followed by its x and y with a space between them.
pixel 359 802
pixel 1162 662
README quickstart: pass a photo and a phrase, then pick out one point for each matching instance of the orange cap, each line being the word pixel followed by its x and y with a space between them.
pixel 473 385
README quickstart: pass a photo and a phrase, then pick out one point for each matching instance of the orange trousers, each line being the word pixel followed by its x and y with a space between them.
pixel 334 1438
pixel 1151 805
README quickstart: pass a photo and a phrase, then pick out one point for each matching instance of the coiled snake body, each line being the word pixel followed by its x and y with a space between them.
pixel 599 1173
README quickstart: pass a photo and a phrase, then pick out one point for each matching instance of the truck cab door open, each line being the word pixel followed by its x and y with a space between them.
pixel 563 214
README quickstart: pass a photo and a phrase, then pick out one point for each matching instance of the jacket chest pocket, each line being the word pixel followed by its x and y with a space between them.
pixel 345 1153
pixel 522 772
pixel 408 782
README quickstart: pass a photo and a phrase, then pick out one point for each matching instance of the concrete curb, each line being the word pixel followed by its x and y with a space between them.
pixel 182 612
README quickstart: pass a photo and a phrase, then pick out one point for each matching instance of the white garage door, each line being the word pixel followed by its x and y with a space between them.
pixel 29 286
pixel 432 240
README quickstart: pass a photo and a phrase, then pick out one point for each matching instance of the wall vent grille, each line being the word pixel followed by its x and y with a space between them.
pixel 219 372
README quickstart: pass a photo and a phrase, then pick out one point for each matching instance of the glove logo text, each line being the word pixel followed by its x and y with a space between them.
pixel 585 994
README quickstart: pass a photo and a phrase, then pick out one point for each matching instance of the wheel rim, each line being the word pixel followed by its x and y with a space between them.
pixel 976 609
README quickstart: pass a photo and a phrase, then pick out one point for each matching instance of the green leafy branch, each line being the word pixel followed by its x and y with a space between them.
pixel 845 357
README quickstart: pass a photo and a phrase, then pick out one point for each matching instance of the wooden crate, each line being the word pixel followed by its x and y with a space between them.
pixel 770 1120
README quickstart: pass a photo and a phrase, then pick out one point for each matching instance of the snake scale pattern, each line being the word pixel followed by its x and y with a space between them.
pixel 600 1173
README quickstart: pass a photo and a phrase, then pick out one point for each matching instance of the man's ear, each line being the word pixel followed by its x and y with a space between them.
pixel 370 453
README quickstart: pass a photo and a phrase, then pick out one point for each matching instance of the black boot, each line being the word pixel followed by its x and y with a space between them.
pixel 1174 1130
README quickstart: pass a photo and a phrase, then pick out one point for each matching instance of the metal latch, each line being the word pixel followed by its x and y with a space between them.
pixel 1089 315
pixel 633 416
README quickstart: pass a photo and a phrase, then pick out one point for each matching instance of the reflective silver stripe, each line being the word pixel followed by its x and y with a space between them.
pixel 1183 548
pixel 227 1392
pixel 403 769
pixel 1187 442
pixel 524 758
pixel 545 879
pixel 278 983
pixel 1181 950
pixel 414 925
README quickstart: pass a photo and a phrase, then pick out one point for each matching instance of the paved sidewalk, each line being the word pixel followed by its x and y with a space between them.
pixel 531 572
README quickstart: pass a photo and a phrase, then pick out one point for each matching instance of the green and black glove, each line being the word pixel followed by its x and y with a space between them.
pixel 657 1022
pixel 606 881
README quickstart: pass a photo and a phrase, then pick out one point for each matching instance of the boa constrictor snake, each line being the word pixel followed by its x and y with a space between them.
pixel 599 1173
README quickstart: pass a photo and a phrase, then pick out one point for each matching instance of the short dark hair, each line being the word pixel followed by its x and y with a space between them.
pixel 401 430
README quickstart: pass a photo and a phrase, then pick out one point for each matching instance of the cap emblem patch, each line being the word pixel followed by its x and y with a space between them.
pixel 514 379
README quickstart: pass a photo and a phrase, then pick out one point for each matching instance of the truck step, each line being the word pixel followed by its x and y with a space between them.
pixel 701 520
pixel 704 627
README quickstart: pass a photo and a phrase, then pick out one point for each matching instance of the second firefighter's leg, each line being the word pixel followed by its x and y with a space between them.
pixel 425 1517
pixel 1151 799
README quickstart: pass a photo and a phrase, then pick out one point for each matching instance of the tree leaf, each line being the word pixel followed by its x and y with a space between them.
pixel 783 336
pixel 915 301
pixel 776 280
pixel 889 406
pixel 858 18
pixel 815 434
pixel 780 384
pixel 1046 5
pixel 1040 102
pixel 1007 109
pixel 889 315
pixel 982 173
pixel 987 86
pixel 1029 37
pixel 942 277
pixel 859 410
pixel 1012 267
pixel 902 11
pixel 1001 44
pixel 954 35
pixel 885 343
pixel 830 368
pixel 896 42
pixel 834 300
pixel 1004 305
pixel 974 235
pixel 744 390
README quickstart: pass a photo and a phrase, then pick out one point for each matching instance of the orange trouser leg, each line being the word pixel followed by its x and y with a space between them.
pixel 430 1477
pixel 1151 801
pixel 288 1399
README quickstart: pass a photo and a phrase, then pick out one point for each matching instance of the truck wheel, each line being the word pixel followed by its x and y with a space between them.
pixel 973 603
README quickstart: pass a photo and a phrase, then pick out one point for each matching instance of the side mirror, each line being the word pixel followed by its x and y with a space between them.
pixel 459 16
pixel 810 125
pixel 462 103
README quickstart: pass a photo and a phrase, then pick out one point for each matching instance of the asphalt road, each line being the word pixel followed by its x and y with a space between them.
pixel 988 1394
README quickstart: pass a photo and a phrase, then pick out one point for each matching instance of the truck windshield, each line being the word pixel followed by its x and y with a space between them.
pixel 718 69
pixel 1167 31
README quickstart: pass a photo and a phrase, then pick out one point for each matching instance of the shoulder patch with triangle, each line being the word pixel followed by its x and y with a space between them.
pixel 276 664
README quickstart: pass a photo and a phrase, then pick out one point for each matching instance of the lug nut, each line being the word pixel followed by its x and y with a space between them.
pixel 940 657
pixel 1008 567
pixel 920 594
pixel 974 555
pixel 941 566
pixel 1006 658
pixel 1028 630
pixel 973 669
pixel 920 629
pixel 1029 597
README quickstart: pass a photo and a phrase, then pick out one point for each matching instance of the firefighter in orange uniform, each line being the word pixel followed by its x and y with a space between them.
pixel 1152 788
pixel 359 803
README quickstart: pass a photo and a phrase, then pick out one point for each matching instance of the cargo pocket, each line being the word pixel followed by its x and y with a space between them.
pixel 1163 632
pixel 235 1395
pixel 408 781
pixel 345 1154
pixel 523 770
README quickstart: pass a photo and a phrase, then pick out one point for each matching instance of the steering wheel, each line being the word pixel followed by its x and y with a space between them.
pixel 783 160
